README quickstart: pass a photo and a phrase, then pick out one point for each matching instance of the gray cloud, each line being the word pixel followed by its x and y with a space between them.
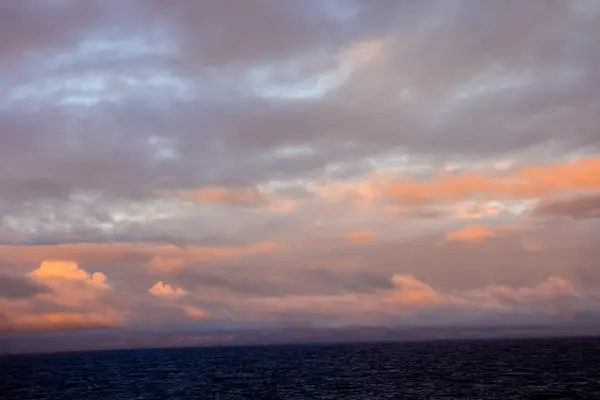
pixel 580 206
pixel 272 281
pixel 503 69
pixel 16 287
pixel 51 25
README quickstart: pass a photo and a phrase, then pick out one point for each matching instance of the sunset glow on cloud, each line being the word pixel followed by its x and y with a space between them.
pixel 473 233
pixel 189 165
pixel 162 289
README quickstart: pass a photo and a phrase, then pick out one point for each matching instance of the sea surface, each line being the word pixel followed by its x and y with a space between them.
pixel 486 369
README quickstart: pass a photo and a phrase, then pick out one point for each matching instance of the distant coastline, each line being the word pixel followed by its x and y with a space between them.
pixel 15 344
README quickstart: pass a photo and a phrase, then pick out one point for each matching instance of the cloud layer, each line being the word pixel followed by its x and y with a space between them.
pixel 193 164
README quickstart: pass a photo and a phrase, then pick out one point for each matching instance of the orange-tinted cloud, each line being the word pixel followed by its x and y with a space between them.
pixel 528 182
pixel 166 256
pixel 470 234
pixel 70 285
pixel 65 321
pixel 360 193
pixel 81 296
pixel 360 237
pixel 161 289
pixel 52 270
pixel 166 264
pixel 194 312
pixel 176 298
pixel 412 291
pixel 478 233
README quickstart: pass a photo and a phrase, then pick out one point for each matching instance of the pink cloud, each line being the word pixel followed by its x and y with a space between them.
pixel 555 294
pixel 527 182
pixel 65 321
pixel 194 312
pixel 161 289
pixel 52 270
pixel 82 296
pixel 166 264
pixel 411 291
pixel 360 237
pixel 166 257
pixel 470 234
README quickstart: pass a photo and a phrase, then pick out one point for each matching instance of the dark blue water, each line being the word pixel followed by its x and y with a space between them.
pixel 525 369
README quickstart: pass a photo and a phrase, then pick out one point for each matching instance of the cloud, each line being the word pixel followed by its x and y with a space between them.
pixel 414 292
pixel 275 281
pixel 246 197
pixel 577 206
pixel 292 293
pixel 60 270
pixel 52 322
pixel 161 289
pixel 166 264
pixel 360 237
pixel 414 300
pixel 470 234
pixel 177 300
pixel 480 233
pixel 195 313
pixel 477 210
pixel 446 109
pixel 132 252
pixel 533 244
pixel 74 300
pixel 402 296
pixel 236 152
pixel 554 295
pixel 55 25
pixel 527 182
pixel 72 287
pixel 17 287
pixel 303 31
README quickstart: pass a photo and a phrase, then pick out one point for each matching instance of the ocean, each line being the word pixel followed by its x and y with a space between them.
pixel 483 369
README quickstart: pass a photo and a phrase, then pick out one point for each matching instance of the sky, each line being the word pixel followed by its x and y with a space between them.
pixel 192 166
